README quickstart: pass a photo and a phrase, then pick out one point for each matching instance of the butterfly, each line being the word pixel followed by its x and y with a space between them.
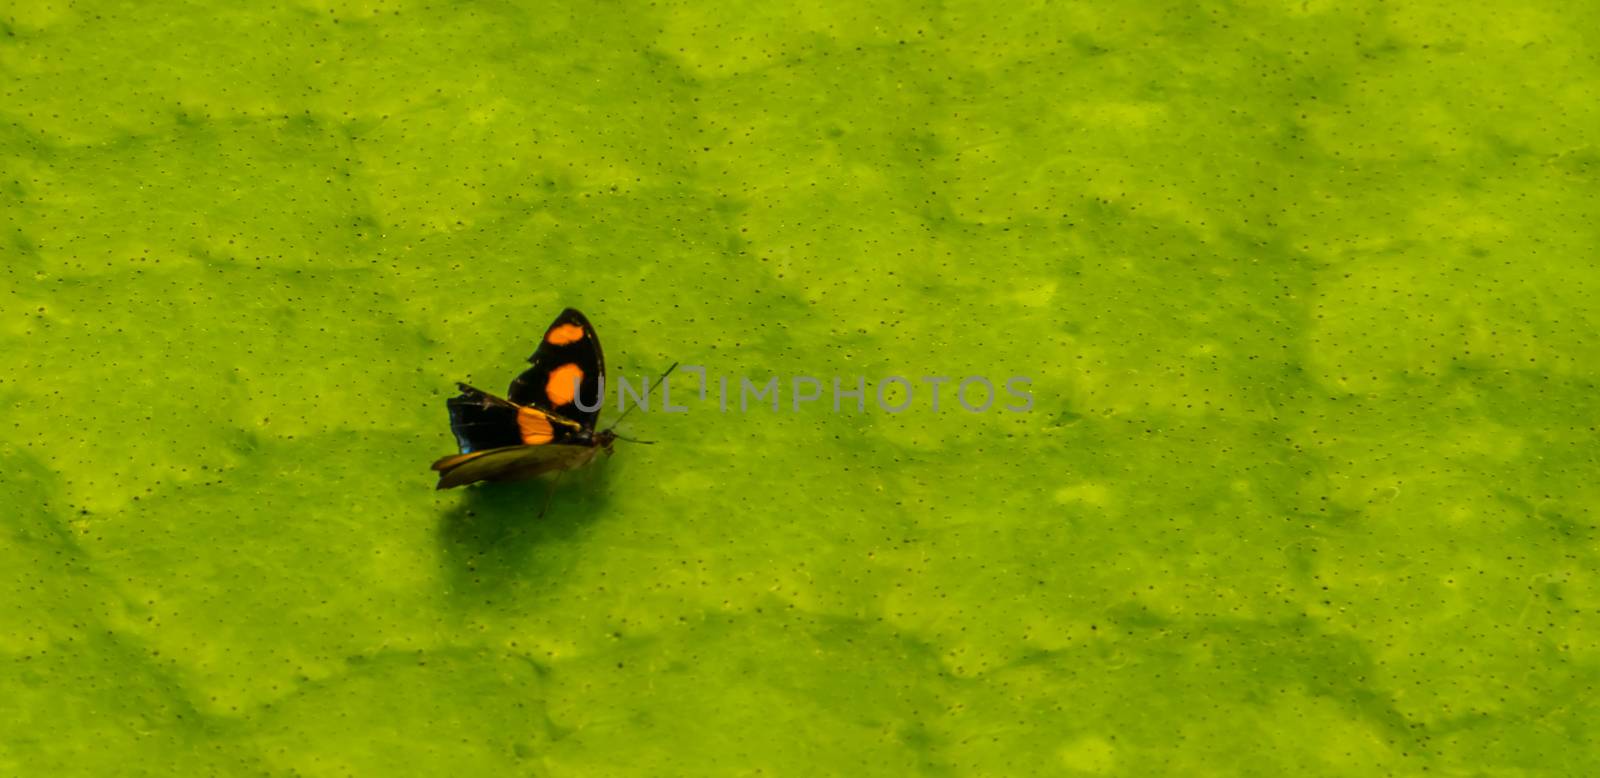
pixel 541 425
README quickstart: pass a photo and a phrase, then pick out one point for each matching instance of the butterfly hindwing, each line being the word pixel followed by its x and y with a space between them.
pixel 568 358
pixel 482 421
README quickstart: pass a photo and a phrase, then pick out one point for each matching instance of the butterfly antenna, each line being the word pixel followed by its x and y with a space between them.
pixel 661 380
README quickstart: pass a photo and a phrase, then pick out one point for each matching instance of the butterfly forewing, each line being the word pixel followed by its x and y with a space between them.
pixel 568 365
pixel 504 464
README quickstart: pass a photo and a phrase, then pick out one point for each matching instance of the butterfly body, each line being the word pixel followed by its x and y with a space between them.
pixel 539 426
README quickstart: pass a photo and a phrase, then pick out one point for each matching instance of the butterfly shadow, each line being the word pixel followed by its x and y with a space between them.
pixel 494 542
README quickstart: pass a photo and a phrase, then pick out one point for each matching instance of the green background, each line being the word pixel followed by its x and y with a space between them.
pixel 1307 291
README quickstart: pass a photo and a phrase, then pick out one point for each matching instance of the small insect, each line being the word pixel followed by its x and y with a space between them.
pixel 537 427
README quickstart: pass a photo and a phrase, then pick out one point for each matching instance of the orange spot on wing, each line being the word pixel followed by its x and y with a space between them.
pixel 562 385
pixel 535 426
pixel 562 334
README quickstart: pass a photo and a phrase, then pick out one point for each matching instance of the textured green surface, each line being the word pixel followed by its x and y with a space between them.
pixel 1308 293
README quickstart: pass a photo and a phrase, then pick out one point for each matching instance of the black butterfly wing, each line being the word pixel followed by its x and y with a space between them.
pixel 482 421
pixel 567 366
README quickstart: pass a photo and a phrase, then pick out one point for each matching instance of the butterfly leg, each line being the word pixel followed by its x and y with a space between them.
pixel 551 495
